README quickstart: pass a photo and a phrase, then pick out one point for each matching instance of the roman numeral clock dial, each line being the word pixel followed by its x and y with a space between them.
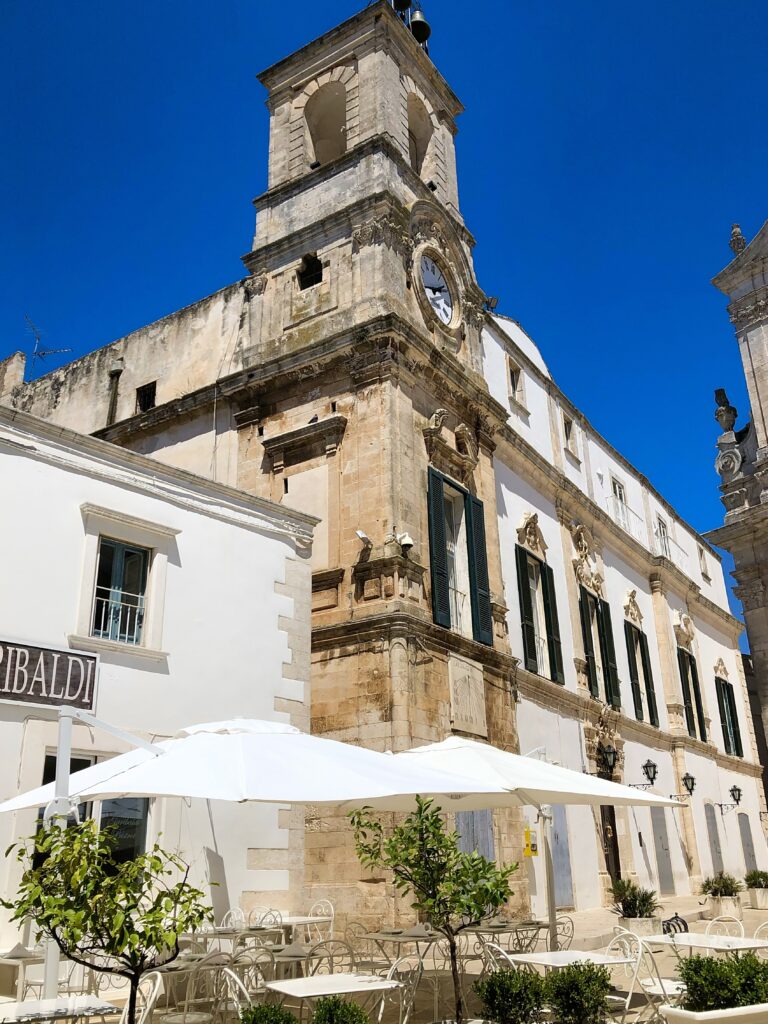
pixel 436 289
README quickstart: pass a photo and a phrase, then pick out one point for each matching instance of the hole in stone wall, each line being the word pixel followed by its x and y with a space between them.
pixel 285 485
pixel 146 396
pixel 310 272
pixel 333 407
pixel 326 118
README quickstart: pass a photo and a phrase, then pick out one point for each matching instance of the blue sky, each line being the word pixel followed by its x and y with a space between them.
pixel 604 153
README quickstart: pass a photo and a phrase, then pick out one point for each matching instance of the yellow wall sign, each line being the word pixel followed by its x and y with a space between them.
pixel 531 847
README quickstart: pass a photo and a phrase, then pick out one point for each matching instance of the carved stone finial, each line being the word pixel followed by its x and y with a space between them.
pixel 529 534
pixel 738 242
pixel 725 413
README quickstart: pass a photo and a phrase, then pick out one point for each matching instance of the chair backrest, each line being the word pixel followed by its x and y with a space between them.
pixel 330 957
pixel 674 924
pixel 407 970
pixel 494 957
pixel 150 987
pixel 524 939
pixel 725 925
pixel 628 947
pixel 238 997
pixel 255 915
pixel 648 972
pixel 234 918
pixel 322 930
pixel 564 930
pixel 254 967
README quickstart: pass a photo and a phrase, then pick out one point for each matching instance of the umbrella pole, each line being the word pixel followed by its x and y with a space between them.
pixel 545 816
pixel 54 809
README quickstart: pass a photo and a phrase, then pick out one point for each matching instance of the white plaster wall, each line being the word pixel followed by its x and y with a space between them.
pixel 205 443
pixel 514 497
pixel 220 630
pixel 563 744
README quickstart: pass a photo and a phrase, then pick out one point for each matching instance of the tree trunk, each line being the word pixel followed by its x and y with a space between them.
pixel 132 999
pixel 457 993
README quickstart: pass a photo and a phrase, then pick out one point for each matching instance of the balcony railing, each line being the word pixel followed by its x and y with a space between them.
pixel 118 615
pixel 666 547
pixel 627 518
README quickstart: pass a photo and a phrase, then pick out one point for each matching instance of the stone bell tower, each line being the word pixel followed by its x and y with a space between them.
pixel 742 459
pixel 361 400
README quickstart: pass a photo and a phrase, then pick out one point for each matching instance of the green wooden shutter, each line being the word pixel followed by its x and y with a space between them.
pixel 479 587
pixel 629 636
pixel 650 692
pixel 553 625
pixel 730 697
pixel 589 647
pixel 438 550
pixel 683 662
pixel 608 654
pixel 721 699
pixel 526 610
pixel 697 698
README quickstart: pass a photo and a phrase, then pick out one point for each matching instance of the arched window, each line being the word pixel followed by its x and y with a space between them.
pixel 419 132
pixel 310 271
pixel 326 117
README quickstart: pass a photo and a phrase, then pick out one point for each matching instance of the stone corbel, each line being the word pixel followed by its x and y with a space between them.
pixel 305 442
pixel 499 615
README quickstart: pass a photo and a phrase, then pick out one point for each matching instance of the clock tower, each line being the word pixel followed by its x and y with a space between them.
pixel 361 400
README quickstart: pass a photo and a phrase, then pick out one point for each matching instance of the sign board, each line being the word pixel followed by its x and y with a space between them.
pixel 44 676
pixel 467 689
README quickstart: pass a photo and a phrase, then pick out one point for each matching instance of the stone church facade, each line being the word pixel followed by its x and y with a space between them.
pixel 486 563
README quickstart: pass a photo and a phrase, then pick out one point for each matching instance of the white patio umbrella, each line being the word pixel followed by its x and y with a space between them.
pixel 529 782
pixel 253 760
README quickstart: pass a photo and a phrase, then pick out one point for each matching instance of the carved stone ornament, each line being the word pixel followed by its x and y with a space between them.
pixel 632 609
pixel 684 629
pixel 585 563
pixel 728 463
pixel 474 314
pixel 424 229
pixel 738 242
pixel 725 413
pixel 255 284
pixel 384 231
pixel 460 462
pixel 529 534
pixel 751 594
pixel 720 670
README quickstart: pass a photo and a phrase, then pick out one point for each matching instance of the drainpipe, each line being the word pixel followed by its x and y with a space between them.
pixel 114 380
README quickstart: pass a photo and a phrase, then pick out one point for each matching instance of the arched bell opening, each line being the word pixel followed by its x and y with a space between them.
pixel 326 119
pixel 419 132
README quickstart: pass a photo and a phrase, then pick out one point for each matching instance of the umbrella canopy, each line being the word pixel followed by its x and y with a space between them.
pixel 530 781
pixel 248 759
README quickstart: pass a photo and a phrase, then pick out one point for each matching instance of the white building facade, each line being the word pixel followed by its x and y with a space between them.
pixel 619 615
pixel 154 599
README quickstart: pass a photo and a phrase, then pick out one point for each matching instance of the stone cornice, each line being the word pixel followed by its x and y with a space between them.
pixel 364 630
pixel 295 445
pixel 376 144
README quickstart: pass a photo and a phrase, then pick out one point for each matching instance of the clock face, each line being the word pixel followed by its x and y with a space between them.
pixel 436 288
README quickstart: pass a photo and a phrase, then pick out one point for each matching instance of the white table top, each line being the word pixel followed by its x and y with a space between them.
pixel 29 957
pixel 296 920
pixel 565 957
pixel 698 940
pixel 56 1009
pixel 407 935
pixel 319 985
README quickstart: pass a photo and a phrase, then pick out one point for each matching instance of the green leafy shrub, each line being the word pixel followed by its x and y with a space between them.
pixel 335 1010
pixel 511 997
pixel 267 1013
pixel 578 994
pixel 715 984
pixel 721 885
pixel 630 900
pixel 756 880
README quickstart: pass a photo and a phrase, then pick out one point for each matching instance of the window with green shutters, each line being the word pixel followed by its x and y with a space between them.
pixel 692 702
pixel 729 719
pixel 599 650
pixel 542 649
pixel 640 675
pixel 461 598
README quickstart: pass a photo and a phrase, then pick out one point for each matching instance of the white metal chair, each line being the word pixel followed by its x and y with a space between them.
pixel 206 990
pixel 254 967
pixel 725 925
pixel 234 918
pixel 330 957
pixel 761 932
pixel 150 987
pixel 524 939
pixel 625 945
pixel 656 988
pixel 408 971
pixel 564 930
pixel 321 931
pixel 368 954
pixel 255 915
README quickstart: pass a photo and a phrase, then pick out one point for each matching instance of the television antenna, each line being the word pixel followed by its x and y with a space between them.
pixel 39 351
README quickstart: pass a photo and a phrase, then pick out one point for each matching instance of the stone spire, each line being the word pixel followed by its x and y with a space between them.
pixel 738 242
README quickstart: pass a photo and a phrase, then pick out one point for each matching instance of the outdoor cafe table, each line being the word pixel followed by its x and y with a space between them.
pixel 61 1008
pixel 556 958
pixel 687 941
pixel 402 937
pixel 21 961
pixel 341 984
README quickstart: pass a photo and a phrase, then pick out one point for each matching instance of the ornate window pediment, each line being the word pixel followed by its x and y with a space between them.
pixel 685 631
pixel 586 564
pixel 721 672
pixel 459 462
pixel 529 534
pixel 632 608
